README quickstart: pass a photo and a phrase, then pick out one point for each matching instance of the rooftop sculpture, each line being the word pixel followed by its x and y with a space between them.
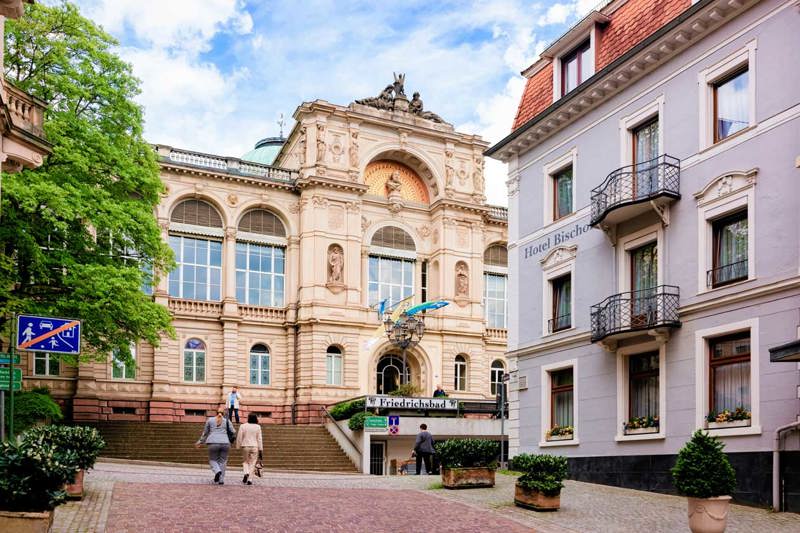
pixel 393 98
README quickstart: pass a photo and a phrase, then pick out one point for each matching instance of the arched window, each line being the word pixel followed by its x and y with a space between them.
pixel 260 259
pixel 391 265
pixel 259 365
pixel 495 285
pixel 496 379
pixel 196 239
pixel 460 373
pixel 194 361
pixel 333 365
pixel 391 374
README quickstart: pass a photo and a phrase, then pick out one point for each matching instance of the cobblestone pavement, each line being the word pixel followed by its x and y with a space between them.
pixel 140 497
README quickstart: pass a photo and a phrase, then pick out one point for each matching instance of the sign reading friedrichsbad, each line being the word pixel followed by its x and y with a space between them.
pixel 397 402
pixel 45 334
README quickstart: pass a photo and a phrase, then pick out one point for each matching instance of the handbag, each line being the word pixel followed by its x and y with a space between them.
pixel 259 466
pixel 231 432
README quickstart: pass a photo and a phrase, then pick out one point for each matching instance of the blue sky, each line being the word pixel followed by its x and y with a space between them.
pixel 216 74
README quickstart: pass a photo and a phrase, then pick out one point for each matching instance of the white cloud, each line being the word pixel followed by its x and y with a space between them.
pixel 556 14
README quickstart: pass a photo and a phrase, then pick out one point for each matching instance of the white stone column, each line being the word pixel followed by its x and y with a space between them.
pixel 229 270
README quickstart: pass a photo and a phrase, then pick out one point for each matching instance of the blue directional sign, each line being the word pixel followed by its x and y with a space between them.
pixel 394 420
pixel 46 334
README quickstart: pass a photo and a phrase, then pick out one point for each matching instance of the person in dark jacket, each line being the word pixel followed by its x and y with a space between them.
pixel 423 449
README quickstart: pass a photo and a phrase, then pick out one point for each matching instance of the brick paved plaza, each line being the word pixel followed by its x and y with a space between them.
pixel 133 497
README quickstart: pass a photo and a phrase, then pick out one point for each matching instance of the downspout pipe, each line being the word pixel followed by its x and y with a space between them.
pixel 776 464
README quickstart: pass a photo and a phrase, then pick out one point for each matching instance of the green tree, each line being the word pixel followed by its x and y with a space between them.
pixel 78 236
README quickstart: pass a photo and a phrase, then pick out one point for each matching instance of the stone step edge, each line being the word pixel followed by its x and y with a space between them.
pixel 115 460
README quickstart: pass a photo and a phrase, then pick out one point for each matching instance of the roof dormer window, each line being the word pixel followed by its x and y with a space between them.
pixel 576 66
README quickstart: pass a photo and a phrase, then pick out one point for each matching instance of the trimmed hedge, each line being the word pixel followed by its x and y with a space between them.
pixel 466 453
pixel 33 406
pixel 702 469
pixel 85 441
pixel 542 473
pixel 356 422
pixel 343 411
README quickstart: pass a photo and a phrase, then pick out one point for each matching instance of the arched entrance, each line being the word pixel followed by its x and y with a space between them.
pixel 387 370
pixel 391 373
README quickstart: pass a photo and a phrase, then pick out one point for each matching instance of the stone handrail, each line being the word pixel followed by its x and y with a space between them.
pixel 498 212
pixel 194 307
pixel 27 112
pixel 277 314
pixel 497 333
pixel 228 165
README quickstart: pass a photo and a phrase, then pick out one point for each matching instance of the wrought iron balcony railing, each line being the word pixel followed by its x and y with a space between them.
pixel 716 277
pixel 636 310
pixel 558 323
pixel 636 183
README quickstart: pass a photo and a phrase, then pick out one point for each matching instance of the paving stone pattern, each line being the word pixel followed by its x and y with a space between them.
pixel 142 497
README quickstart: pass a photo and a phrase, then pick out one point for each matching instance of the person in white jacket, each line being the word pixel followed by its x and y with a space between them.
pixel 234 397
pixel 250 441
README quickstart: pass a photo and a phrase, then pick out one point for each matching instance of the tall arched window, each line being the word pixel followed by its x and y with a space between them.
pixel 391 265
pixel 495 285
pixel 195 237
pixel 194 361
pixel 259 365
pixel 333 365
pixel 460 373
pixel 260 259
pixel 391 373
pixel 496 378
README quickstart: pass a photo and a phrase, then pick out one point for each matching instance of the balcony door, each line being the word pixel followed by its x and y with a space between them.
pixel 645 165
pixel 644 280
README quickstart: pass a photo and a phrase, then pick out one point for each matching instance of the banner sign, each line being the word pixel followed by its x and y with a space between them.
pixel 398 402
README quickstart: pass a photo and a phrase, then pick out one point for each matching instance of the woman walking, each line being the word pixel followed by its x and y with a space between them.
pixel 218 434
pixel 249 439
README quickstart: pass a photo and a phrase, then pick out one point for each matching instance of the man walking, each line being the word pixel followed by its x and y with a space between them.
pixel 233 404
pixel 423 449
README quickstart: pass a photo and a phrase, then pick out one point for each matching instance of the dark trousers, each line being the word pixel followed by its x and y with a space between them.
pixel 424 456
pixel 231 412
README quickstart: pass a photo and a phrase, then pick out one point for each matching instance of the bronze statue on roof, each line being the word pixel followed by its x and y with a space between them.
pixel 386 100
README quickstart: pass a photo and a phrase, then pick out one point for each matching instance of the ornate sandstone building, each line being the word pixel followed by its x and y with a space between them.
pixel 278 267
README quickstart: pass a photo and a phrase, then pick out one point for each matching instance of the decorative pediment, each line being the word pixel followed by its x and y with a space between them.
pixel 559 256
pixel 726 184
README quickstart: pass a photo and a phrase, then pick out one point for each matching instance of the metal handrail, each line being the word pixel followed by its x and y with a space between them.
pixel 636 310
pixel 345 435
pixel 636 183
pixel 737 271
pixel 558 323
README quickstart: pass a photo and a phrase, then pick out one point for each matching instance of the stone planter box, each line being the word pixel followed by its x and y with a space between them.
pixel 641 431
pixel 731 424
pixel 708 515
pixel 467 478
pixel 560 437
pixel 535 500
pixel 20 522
pixel 75 489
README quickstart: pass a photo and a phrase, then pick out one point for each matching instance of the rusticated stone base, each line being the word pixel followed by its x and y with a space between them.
pixel 535 500
pixel 467 478
pixel 11 522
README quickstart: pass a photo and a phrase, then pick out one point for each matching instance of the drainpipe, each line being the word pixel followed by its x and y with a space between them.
pixel 776 464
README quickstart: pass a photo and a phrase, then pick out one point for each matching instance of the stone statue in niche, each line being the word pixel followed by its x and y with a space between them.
pixel 393 184
pixel 462 279
pixel 477 176
pixel 301 144
pixel 320 143
pixel 335 264
pixel 353 149
pixel 449 171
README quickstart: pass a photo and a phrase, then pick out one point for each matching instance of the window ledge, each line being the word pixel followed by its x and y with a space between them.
pixel 709 290
pixel 735 432
pixel 739 133
pixel 559 332
pixel 554 443
pixel 47 376
pixel 644 436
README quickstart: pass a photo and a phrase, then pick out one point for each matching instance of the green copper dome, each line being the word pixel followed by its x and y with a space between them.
pixel 265 151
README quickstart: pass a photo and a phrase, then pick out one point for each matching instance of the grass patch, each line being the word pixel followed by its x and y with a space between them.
pixel 436 486
pixel 509 472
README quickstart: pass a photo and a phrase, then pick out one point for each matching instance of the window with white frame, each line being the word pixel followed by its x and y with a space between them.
pixel 559 185
pixel 194 361
pixel 561 311
pixel 198 271
pixel 577 66
pixel 46 364
pixel 460 373
pixel 727 362
pixel 559 404
pixel 496 377
pixel 259 365
pixel 122 368
pixel 558 275
pixel 641 391
pixel 495 286
pixel 727 96
pixel 333 366
pixel 260 259
pixel 391 265
pixel 729 249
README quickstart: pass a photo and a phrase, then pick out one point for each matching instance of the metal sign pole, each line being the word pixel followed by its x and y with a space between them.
pixel 12 346
pixel 502 420
pixel 2 416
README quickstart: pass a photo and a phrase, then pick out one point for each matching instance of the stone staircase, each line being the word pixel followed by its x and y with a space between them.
pixel 285 447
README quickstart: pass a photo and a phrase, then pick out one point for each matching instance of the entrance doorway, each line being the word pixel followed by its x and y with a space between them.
pixel 377 456
pixel 391 374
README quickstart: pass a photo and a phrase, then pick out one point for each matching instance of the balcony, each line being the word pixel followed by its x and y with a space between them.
pixel 630 191
pixel 225 165
pixel 624 314
pixel 23 134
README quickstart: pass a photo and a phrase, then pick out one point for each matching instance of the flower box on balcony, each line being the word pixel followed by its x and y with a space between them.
pixel 641 431
pixel 568 436
pixel 730 424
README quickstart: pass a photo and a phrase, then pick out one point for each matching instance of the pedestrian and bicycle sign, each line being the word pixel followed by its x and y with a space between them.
pixel 5 373
pixel 46 334
pixel 376 423
pixel 7 358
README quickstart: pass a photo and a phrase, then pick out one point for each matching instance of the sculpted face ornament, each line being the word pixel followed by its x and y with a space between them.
pixel 386 100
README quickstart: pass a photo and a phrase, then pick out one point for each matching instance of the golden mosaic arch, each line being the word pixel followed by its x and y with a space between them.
pixel 411 188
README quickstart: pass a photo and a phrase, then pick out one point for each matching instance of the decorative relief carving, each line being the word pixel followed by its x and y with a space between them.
pixel 403 134
pixel 462 173
pixel 353 151
pixel 559 256
pixel 294 208
pixel 163 223
pixel 449 171
pixel 337 148
pixel 364 223
pixel 726 184
pixel 335 266
pixel 378 175
pixel 462 280
pixel 230 232
pixel 232 200
pixel 477 175
pixel 436 236
pixel 336 217
pixel 513 186
pixel 321 146
pixel 462 235
pixel 301 146
pixel 199 187
pixel 319 201
pixel 353 207
pixel 424 231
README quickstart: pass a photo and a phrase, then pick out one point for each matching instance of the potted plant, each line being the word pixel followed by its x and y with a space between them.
pixel 560 433
pixel 33 472
pixel 467 463
pixel 539 486
pixel 84 441
pixel 704 474
pixel 406 390
pixel 739 417
pixel 639 425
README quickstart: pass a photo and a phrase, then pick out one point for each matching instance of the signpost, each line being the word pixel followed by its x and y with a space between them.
pixel 394 424
pixel 376 423
pixel 45 334
pixel 5 372
pixel 6 358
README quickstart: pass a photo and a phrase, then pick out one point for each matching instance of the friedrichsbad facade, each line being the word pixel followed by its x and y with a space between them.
pixel 654 230
pixel 280 265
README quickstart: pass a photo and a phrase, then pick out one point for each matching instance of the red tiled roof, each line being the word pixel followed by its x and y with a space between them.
pixel 629 25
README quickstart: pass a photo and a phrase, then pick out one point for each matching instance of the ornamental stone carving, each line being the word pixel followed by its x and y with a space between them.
pixel 335 264
pixel 477 175
pixel 232 200
pixel 321 147
pixel 301 144
pixel 353 151
pixel 449 171
pixel 393 98
pixel 559 256
pixel 726 184
pixel 462 280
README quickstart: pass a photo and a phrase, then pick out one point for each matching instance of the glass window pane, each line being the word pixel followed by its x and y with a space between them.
pixel 732 105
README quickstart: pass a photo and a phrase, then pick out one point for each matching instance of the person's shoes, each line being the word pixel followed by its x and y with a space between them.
pixel 249 483
pixel 221 482
pixel 217 476
pixel 244 479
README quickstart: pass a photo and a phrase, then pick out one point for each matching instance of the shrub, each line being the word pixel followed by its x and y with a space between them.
pixel 33 406
pixel 520 463
pixel 702 469
pixel 33 473
pixel 356 422
pixel 85 441
pixel 407 390
pixel 343 411
pixel 542 473
pixel 465 453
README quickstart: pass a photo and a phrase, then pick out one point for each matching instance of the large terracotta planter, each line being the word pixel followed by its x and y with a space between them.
pixel 18 522
pixel 467 478
pixel 533 499
pixel 75 489
pixel 709 515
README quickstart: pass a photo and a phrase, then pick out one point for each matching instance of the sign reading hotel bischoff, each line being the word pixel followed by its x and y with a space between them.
pixel 396 402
